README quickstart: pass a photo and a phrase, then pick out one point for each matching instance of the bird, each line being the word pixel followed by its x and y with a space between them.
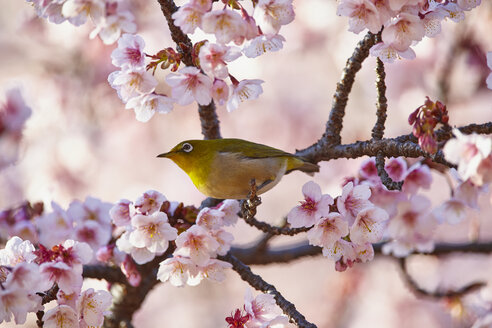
pixel 225 168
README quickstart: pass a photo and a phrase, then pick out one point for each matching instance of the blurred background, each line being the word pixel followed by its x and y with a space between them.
pixel 80 141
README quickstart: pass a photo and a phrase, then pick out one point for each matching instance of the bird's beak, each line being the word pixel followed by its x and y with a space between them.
pixel 164 154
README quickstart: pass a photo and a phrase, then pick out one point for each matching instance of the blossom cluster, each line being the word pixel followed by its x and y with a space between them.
pixel 197 238
pixel 136 86
pixel 26 273
pixel 345 231
pixel 259 311
pixel 403 22
pixel 110 17
pixel 13 115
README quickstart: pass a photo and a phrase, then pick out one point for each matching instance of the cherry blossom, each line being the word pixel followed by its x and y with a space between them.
pixel 220 91
pixel 369 225
pixel 263 43
pixel 362 13
pixel 129 52
pixel 327 230
pixel 77 11
pixel 16 302
pixel 189 85
pixel 314 206
pixel 210 218
pixel 152 232
pixel 261 309
pixel 244 90
pixel 178 270
pixel 120 213
pixel 213 58
pixel 150 202
pixel 197 244
pixel 68 278
pixel 17 251
pixel 230 208
pixel 14 112
pixel 188 17
pixel 60 316
pixel 489 64
pixel 54 227
pixel 418 176
pixel 388 53
pixel 130 270
pixel 132 83
pixel 270 15
pixel 226 25
pixel 112 26
pixel 396 168
pixel 92 233
pixel 213 270
pixel 402 30
pixel 224 239
pixel 468 152
pixel 92 305
pixel 353 200
pixel 452 211
pixel 140 255
pixel 147 105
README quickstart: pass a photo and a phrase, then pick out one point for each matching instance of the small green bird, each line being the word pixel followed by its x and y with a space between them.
pixel 224 168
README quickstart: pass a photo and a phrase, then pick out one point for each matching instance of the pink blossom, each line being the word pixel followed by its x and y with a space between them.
pixel 210 218
pixel 224 239
pixel 92 304
pixel 60 316
pixel 213 58
pixel 92 233
pixel 120 213
pixel 188 85
pixel 328 230
pixel 77 11
pixel 152 232
pixel 270 15
pixel 26 276
pixel 150 202
pixel 178 271
pixel 230 208
pixel 468 193
pixel 213 270
pixel 188 17
pixel 129 269
pixel 452 211
pixel 132 83
pixel 468 151
pixel 16 302
pixel 396 168
pixel 368 169
pixel 17 251
pixel 244 90
pixel 14 112
pixel 220 92
pixel 340 249
pixel 75 252
pixel 263 43
pixel 353 200
pixel 280 321
pixel 68 278
pixel 453 11
pixel 489 64
pixel 314 206
pixel 198 244
pixel 468 4
pixel 111 27
pixel 226 25
pixel 140 255
pixel 92 209
pixel 262 309
pixel 147 105
pixel 418 176
pixel 402 30
pixel 412 228
pixel 388 53
pixel 54 227
pixel 129 52
pixel 362 14
pixel 368 226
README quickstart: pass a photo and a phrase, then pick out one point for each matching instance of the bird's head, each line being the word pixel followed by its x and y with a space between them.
pixel 189 153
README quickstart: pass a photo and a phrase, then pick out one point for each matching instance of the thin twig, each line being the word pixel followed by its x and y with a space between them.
pixel 419 292
pixel 381 104
pixel 258 283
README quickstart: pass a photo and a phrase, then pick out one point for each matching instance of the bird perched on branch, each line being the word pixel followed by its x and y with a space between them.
pixel 224 168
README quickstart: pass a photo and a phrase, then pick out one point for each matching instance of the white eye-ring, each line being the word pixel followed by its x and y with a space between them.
pixel 187 147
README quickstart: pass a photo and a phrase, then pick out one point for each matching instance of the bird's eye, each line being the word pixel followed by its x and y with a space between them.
pixel 187 147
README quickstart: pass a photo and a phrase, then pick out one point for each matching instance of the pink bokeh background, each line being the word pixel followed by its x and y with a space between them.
pixel 80 141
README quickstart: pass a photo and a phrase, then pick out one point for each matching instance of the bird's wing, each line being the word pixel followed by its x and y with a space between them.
pixel 254 150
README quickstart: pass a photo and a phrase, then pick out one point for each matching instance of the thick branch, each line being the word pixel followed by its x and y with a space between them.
pixel 258 283
pixel 110 274
pixel 208 116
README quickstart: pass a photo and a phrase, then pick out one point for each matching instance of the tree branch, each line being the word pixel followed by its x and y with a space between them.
pixel 258 283
pixel 208 117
